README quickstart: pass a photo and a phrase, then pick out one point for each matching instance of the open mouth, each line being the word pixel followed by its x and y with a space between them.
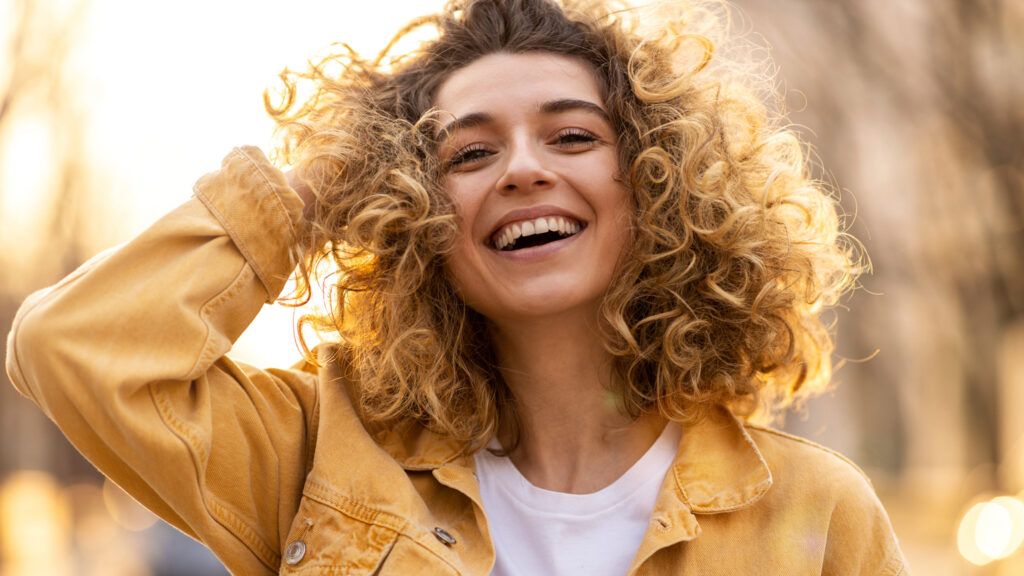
pixel 535 232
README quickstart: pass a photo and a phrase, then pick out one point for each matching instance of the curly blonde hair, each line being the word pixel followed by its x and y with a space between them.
pixel 737 250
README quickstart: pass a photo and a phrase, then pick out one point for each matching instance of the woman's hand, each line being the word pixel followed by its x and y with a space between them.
pixel 304 192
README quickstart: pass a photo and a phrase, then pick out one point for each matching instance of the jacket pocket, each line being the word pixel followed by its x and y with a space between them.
pixel 325 540
pixel 407 557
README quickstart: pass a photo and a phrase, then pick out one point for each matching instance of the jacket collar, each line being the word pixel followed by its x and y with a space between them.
pixel 718 468
pixel 415 447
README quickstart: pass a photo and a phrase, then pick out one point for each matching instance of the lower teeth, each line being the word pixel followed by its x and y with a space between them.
pixel 529 241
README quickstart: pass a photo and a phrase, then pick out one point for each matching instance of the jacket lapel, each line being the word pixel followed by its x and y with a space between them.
pixel 717 469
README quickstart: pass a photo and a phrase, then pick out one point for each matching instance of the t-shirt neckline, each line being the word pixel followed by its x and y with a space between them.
pixel 651 467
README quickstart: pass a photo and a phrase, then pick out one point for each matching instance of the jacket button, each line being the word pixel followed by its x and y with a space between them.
pixel 443 535
pixel 294 552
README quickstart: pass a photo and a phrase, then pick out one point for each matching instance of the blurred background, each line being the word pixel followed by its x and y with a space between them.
pixel 110 110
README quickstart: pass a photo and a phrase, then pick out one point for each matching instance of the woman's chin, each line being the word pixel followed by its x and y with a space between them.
pixel 542 306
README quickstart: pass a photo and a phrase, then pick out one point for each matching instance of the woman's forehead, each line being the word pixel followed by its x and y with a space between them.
pixel 521 81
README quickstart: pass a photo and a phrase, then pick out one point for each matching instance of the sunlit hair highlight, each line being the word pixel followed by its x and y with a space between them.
pixel 737 249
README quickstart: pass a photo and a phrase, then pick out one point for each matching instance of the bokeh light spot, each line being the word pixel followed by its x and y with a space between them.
pixel 35 525
pixel 991 530
pixel 128 513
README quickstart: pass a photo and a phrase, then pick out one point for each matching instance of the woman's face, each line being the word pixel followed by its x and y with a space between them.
pixel 531 164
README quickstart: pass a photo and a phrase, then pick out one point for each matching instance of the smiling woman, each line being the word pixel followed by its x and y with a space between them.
pixel 575 260
pixel 544 148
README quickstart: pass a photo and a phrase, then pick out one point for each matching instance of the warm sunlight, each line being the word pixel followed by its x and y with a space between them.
pixel 165 91
pixel 24 181
pixel 893 129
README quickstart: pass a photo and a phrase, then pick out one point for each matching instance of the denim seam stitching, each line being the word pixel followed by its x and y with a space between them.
pixel 232 233
pixel 330 497
pixel 187 433
pixel 271 189
pixel 812 444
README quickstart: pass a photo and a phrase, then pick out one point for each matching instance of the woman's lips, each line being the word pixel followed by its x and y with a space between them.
pixel 506 237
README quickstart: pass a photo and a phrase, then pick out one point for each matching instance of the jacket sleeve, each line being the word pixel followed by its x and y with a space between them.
pixel 126 355
pixel 861 539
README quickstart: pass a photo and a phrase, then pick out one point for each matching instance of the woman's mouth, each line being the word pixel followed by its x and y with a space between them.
pixel 535 232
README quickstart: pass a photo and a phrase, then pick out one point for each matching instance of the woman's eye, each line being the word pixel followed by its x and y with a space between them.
pixel 467 155
pixel 575 137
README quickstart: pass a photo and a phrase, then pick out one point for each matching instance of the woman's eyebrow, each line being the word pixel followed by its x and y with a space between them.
pixel 464 122
pixel 567 104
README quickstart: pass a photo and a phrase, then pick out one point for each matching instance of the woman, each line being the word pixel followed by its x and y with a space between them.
pixel 575 259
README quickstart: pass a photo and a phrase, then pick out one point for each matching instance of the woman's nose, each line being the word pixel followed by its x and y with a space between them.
pixel 525 168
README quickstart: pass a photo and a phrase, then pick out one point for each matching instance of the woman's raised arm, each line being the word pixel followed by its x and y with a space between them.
pixel 126 355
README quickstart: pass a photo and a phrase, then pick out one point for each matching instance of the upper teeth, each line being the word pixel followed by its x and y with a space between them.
pixel 508 233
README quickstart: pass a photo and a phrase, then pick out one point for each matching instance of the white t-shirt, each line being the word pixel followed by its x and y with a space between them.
pixel 537 531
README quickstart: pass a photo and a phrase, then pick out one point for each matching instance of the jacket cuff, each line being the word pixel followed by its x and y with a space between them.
pixel 262 214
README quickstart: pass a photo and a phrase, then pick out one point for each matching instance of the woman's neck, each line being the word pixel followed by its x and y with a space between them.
pixel 574 436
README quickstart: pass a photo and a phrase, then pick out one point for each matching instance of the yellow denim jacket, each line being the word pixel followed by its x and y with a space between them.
pixel 273 469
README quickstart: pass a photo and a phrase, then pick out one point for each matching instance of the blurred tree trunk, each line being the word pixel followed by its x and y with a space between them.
pixel 39 84
pixel 914 108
